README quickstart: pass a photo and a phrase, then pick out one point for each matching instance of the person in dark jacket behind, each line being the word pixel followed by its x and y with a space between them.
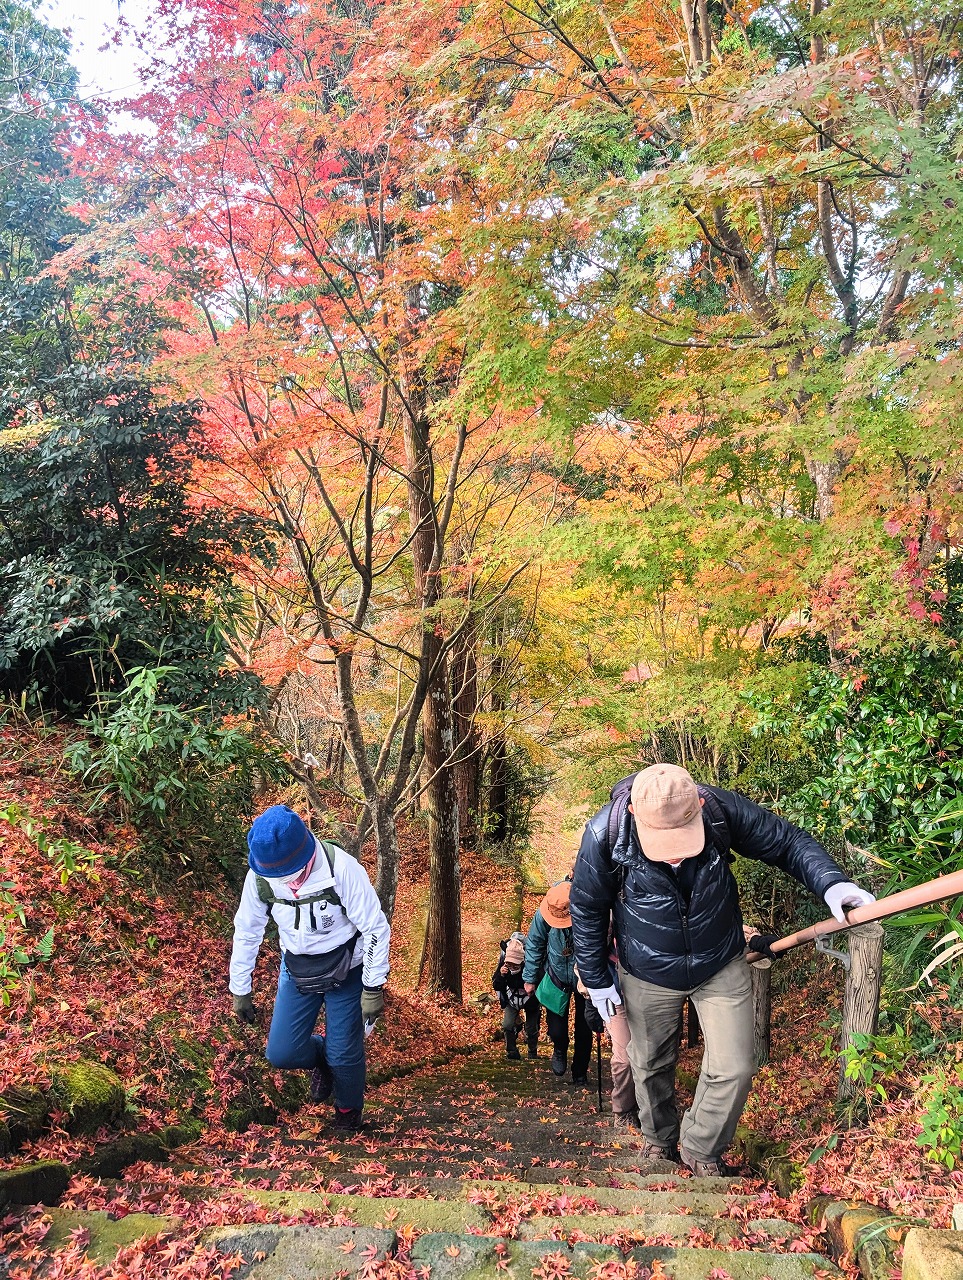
pixel 675 908
pixel 509 982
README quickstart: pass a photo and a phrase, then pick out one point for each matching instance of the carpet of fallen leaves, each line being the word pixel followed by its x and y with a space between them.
pixel 138 975
pixel 137 981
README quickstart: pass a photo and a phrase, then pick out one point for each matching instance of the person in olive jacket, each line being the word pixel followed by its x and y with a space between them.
pixel 657 858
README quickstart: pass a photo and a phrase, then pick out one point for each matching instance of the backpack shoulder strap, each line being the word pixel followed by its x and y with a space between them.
pixel 328 854
pixel 716 816
pixel 620 794
pixel 264 891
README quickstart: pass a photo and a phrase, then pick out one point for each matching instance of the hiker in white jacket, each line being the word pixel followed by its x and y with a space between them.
pixel 334 941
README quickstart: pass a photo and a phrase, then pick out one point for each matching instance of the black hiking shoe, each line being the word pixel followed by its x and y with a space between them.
pixel 580 1082
pixel 558 1063
pixel 322 1082
pixel 533 1050
pixel 513 1053
pixel 347 1119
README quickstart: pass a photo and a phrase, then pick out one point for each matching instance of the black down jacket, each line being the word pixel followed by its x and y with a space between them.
pixel 661 938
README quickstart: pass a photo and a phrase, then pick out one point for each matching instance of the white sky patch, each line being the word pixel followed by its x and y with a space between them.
pixel 106 69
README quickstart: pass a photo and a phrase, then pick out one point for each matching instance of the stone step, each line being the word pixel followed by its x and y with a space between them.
pixel 549 1143
pixel 450 1256
pixel 661 1228
pixel 635 1201
pixel 449 1173
pixel 271 1252
pixel 479 1202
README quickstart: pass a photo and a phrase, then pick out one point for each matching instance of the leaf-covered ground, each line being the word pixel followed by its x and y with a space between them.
pixel 137 980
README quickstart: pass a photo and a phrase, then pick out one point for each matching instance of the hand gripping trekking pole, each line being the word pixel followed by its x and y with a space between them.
pixel 921 895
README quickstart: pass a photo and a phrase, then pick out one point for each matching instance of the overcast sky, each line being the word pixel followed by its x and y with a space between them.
pixel 93 23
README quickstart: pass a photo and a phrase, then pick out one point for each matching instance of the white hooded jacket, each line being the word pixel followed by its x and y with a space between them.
pixel 362 914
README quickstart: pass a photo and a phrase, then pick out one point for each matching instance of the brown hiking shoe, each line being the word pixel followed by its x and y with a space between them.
pixel 713 1168
pixel 658 1151
pixel 626 1124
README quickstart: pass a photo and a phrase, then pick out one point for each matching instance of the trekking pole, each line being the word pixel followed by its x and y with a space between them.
pixel 921 895
pixel 598 1065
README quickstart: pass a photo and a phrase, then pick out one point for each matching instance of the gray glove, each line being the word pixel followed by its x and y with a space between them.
pixel 244 1008
pixel 372 1003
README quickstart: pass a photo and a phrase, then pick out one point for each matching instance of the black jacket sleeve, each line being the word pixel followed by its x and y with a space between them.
pixel 499 979
pixel 594 889
pixel 756 832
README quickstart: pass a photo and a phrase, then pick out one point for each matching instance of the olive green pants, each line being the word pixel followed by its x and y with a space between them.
pixel 724 1006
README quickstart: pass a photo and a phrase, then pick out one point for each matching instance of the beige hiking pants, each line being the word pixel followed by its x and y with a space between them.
pixel 724 1006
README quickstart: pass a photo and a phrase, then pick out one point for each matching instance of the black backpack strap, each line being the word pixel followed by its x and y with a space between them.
pixel 621 793
pixel 716 816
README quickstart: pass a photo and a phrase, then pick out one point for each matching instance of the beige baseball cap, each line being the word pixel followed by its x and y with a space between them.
pixel 668 813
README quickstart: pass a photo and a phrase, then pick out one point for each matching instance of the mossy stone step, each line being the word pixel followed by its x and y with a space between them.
pixel 107 1235
pixel 381 1211
pixel 41 1183
pixel 300 1253
pixel 448 1182
pixel 661 1228
pixel 452 1257
pixel 682 1263
pixel 638 1200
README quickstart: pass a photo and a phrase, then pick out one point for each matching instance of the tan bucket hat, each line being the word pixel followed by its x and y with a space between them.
pixel 554 906
pixel 668 813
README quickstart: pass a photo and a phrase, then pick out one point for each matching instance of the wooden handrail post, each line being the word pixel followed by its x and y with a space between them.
pixel 861 1001
pixel 760 971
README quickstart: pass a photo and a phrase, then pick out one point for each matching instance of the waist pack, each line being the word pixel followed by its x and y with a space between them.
pixel 315 974
pixel 551 996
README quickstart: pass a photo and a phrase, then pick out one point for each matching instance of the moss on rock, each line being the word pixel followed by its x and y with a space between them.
pixel 92 1094
pixel 23 1112
pixel 42 1183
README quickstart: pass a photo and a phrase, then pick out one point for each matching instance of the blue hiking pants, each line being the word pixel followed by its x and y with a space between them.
pixel 292 1043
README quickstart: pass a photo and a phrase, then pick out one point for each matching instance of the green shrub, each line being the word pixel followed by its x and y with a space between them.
pixel 942 1117
pixel 183 780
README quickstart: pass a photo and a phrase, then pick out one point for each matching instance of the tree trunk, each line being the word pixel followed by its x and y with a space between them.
pixel 468 739
pixel 440 968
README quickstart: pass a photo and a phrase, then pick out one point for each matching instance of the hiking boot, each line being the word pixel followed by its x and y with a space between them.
pixel 558 1063
pixel 322 1082
pixel 347 1118
pixel 580 1082
pixel 511 1045
pixel 533 1050
pixel 512 1052
pixel 658 1151
pixel 626 1123
pixel 715 1167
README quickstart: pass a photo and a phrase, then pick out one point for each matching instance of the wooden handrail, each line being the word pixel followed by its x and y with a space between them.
pixel 921 895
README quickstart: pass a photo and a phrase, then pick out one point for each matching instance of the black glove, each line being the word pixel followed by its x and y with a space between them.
pixel 244 1008
pixel 761 944
pixel 593 1019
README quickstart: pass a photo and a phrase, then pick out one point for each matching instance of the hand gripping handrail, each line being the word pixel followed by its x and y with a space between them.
pixel 921 895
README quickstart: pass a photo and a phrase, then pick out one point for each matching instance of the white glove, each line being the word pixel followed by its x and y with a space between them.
pixel 841 898
pixel 606 1000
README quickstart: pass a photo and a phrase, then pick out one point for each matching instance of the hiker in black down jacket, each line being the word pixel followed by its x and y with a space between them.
pixel 675 909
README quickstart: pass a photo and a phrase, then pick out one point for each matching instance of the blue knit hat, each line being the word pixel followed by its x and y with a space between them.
pixel 279 844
